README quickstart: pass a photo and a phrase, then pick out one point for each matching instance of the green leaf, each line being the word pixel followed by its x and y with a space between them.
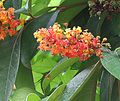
pixel 82 86
pixel 37 78
pixel 117 50
pixel 95 23
pixel 43 11
pixel 111 63
pixel 33 97
pixel 39 5
pixel 63 78
pixel 61 66
pixel 21 94
pixel 106 85
pixel 80 19
pixel 56 93
pixel 17 5
pixel 68 75
pixel 111 30
pixel 9 63
pixel 112 26
pixel 70 9
pixel 25 9
pixel 43 65
pixel 8 4
pixel 55 2
pixel 115 92
pixel 24 77
pixel 40 62
pixel 29 43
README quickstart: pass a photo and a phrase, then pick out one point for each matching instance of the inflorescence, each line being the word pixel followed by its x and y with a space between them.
pixel 69 42
pixel 8 24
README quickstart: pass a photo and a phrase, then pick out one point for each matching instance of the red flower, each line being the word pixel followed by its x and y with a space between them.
pixel 70 43
pixel 8 25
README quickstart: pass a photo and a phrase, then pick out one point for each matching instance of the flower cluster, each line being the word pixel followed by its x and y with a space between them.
pixel 8 24
pixel 69 42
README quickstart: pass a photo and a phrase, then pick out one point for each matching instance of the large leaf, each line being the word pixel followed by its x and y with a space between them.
pixel 111 63
pixel 81 19
pixel 9 63
pixel 56 93
pixel 40 62
pixel 83 86
pixel 33 97
pixel 29 44
pixel 63 78
pixel 70 9
pixel 62 66
pixel 117 50
pixel 21 94
pixel 115 92
pixel 37 78
pixel 43 65
pixel 106 86
pixel 55 2
pixel 24 77
pixel 39 5
pixel 111 30
pixel 112 26
pixel 95 23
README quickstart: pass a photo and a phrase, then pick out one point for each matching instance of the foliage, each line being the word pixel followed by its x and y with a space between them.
pixel 29 74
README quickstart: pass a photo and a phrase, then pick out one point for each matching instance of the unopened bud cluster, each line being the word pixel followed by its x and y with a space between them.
pixel 98 6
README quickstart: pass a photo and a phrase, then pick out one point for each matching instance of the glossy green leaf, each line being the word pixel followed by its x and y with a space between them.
pixel 115 92
pixel 55 2
pixel 61 66
pixel 111 30
pixel 117 50
pixel 72 8
pixel 43 65
pixel 24 77
pixel 80 19
pixel 68 75
pixel 82 87
pixel 29 43
pixel 9 63
pixel 95 23
pixel 71 2
pixel 111 63
pixel 106 86
pixel 63 78
pixel 33 97
pixel 113 25
pixel 40 62
pixel 56 93
pixel 39 5
pixel 43 11
pixel 21 94
pixel 37 79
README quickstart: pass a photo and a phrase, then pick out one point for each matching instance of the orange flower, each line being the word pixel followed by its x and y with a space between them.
pixel 69 42
pixel 8 24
